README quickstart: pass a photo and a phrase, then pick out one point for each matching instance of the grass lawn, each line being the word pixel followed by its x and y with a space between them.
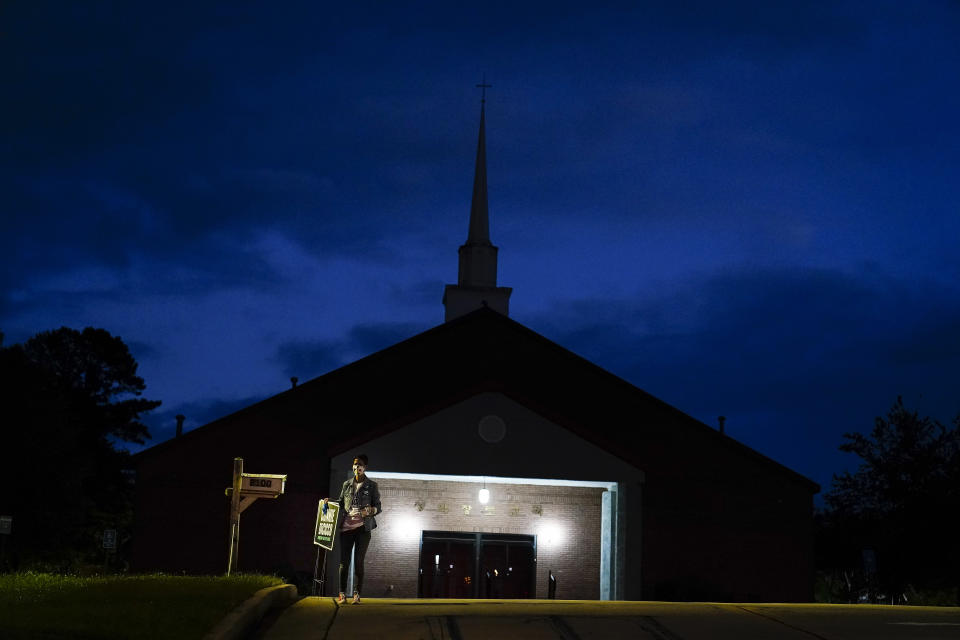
pixel 42 606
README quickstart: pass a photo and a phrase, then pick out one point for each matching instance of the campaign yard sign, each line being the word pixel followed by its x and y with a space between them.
pixel 326 527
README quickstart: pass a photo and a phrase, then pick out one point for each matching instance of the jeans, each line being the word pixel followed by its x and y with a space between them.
pixel 348 540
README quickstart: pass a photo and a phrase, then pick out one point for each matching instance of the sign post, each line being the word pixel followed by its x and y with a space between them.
pixel 110 539
pixel 324 534
pixel 247 487
pixel 109 546
pixel 234 515
pixel 6 529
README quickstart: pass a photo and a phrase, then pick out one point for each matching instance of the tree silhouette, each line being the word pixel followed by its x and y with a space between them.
pixel 70 397
pixel 901 503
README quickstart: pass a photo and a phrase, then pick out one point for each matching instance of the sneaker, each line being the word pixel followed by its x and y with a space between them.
pixel 356 598
pixel 341 598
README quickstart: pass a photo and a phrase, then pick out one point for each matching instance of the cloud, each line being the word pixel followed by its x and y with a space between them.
pixel 815 321
pixel 251 124
pixel 424 292
pixel 793 357
pixel 162 423
pixel 310 358
pixel 757 26
pixel 213 180
pixel 934 341
pixel 141 350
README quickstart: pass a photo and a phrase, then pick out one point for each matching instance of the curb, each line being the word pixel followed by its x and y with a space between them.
pixel 239 621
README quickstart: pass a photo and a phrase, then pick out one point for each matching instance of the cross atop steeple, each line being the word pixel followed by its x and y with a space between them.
pixel 483 86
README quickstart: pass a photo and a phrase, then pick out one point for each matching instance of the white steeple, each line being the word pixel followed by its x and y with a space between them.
pixel 477 279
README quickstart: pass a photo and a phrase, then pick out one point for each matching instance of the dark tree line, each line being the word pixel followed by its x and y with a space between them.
pixel 893 526
pixel 68 398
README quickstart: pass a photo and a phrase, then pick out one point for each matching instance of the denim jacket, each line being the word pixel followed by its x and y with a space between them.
pixel 367 496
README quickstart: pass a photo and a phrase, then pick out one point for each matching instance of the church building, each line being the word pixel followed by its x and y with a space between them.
pixel 508 467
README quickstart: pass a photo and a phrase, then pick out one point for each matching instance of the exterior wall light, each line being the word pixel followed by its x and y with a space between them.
pixel 551 534
pixel 408 528
pixel 484 496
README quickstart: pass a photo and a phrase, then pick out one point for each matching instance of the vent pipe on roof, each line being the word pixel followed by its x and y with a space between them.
pixel 721 420
pixel 180 419
pixel 293 382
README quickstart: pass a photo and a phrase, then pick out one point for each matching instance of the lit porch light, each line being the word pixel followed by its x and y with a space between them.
pixel 484 496
pixel 551 534
pixel 408 528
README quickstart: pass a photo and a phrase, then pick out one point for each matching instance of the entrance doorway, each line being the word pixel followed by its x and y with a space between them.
pixel 477 565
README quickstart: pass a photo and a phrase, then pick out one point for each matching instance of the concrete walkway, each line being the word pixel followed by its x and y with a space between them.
pixel 402 619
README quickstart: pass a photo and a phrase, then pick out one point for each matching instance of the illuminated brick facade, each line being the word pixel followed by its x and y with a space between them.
pixel 691 514
pixel 564 520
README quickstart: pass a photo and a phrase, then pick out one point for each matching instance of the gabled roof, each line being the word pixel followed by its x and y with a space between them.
pixel 480 351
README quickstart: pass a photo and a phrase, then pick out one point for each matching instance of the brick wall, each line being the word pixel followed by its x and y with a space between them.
pixel 564 520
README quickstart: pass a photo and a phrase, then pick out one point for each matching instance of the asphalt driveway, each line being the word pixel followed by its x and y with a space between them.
pixel 405 619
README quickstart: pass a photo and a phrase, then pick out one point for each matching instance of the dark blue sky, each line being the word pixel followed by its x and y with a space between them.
pixel 748 209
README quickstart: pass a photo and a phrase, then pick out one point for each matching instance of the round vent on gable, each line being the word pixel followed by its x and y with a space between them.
pixel 492 429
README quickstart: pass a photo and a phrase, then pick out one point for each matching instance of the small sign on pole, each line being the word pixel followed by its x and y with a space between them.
pixel 245 490
pixel 109 538
pixel 326 529
pixel 264 485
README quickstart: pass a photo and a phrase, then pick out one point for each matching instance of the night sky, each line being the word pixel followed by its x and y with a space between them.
pixel 747 209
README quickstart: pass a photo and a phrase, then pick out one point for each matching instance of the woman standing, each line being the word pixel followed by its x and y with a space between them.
pixel 360 502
